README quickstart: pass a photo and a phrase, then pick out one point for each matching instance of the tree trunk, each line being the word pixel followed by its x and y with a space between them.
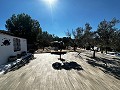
pixel 101 50
pixel 60 53
pixel 74 48
pixel 106 50
pixel 93 53
pixel 43 48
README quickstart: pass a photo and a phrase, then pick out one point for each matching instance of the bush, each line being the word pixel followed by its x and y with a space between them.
pixel 12 58
pixel 18 56
pixel 23 53
pixel 31 51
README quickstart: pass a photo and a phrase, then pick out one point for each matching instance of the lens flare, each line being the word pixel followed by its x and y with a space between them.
pixel 50 2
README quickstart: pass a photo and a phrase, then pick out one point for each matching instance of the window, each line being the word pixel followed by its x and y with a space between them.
pixel 16 44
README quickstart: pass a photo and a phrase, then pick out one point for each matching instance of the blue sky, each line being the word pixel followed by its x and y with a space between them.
pixel 65 14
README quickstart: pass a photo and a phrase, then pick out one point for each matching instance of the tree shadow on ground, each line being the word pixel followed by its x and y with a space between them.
pixel 79 55
pixel 116 59
pixel 67 66
pixel 111 67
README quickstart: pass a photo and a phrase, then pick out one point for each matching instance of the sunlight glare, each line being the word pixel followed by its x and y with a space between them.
pixel 50 2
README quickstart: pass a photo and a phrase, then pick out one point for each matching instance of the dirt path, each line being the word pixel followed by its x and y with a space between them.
pixel 40 75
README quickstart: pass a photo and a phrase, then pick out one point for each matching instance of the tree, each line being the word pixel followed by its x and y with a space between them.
pixel 106 31
pixel 115 45
pixel 22 25
pixel 82 37
pixel 68 34
pixel 66 41
pixel 44 39
pixel 78 36
pixel 87 36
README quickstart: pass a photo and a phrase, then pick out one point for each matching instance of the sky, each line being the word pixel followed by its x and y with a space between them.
pixel 62 15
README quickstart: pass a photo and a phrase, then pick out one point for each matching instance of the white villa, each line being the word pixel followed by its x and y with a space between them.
pixel 10 46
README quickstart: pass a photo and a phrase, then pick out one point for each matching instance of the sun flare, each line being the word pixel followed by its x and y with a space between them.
pixel 51 2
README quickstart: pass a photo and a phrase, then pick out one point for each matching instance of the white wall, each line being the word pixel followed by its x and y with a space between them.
pixel 6 51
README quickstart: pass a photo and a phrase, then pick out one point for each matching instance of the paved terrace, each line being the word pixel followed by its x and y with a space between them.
pixel 40 75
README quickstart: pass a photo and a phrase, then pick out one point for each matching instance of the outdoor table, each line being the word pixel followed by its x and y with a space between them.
pixel 59 53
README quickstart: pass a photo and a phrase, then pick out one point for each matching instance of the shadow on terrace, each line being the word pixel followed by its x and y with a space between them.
pixel 111 67
pixel 67 66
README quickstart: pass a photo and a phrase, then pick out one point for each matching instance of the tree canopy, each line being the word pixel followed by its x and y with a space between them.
pixel 107 33
pixel 106 36
pixel 22 25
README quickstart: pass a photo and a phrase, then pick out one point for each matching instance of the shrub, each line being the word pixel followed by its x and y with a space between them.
pixel 12 58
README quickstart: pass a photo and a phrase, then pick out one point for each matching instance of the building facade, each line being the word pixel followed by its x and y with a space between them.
pixel 10 46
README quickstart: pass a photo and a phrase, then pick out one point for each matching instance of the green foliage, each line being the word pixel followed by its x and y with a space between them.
pixel 22 25
pixel 108 34
pixel 88 35
pixel 67 41
pixel 78 34
pixel 44 39
pixel 82 36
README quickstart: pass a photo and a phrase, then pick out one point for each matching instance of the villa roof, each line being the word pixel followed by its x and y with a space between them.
pixel 5 32
pixel 8 33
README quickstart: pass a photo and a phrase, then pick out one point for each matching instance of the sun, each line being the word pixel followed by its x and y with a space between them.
pixel 50 2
